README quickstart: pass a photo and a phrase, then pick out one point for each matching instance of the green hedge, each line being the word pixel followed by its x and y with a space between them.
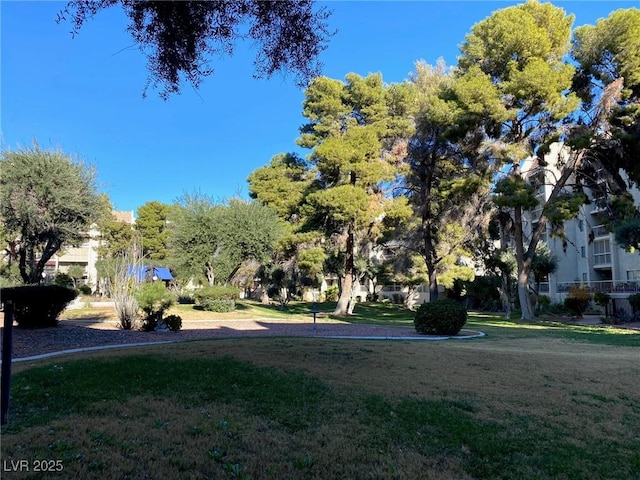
pixel 219 298
pixel 38 306
pixel 442 317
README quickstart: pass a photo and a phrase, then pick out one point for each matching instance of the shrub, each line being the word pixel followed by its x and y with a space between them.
pixel 601 298
pixel 173 322
pixel 84 289
pixel 186 299
pixel 38 306
pixel 441 317
pixel 219 298
pixel 331 293
pixel 544 301
pixel 577 301
pixel 154 299
pixel 63 280
pixel 634 301
pixel 221 305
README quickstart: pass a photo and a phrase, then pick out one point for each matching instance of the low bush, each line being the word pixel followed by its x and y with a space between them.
pixel 634 301
pixel 331 293
pixel 186 299
pixel 219 298
pixel 544 302
pixel 84 289
pixel 602 299
pixel 153 299
pixel 38 306
pixel 63 280
pixel 173 322
pixel 577 301
pixel 221 305
pixel 441 317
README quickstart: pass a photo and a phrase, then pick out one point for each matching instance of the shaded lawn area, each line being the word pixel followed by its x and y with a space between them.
pixel 527 401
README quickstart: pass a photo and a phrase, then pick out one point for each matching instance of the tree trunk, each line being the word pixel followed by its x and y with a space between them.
pixel 433 284
pixel 410 299
pixel 523 295
pixel 352 300
pixel 346 283
pixel 208 269
pixel 524 268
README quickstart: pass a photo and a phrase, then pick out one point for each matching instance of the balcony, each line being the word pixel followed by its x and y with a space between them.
pixel 597 286
pixel 600 231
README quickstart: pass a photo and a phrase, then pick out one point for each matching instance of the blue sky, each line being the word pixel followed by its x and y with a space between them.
pixel 84 94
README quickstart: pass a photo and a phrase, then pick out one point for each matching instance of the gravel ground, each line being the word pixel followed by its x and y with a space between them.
pixel 71 334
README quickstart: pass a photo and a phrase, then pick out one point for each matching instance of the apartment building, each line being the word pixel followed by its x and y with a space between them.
pixel 589 256
pixel 85 255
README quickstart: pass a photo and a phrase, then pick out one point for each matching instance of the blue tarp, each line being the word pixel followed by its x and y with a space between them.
pixel 146 273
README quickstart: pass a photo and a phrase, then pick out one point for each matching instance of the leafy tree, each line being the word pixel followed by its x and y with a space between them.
pixel 178 38
pixel 47 201
pixel 76 273
pixel 627 233
pixel 215 240
pixel 515 62
pixel 151 222
pixel 116 237
pixel 608 81
pixel 194 237
pixel 282 185
pixel 249 231
pixel 447 181
pixel 353 129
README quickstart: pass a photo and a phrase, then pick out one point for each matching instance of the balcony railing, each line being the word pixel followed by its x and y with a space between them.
pixel 607 286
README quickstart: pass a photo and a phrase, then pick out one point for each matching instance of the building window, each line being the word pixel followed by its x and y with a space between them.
pixel 584 277
pixel 602 251
pixel 581 225
pixel 583 252
pixel 633 275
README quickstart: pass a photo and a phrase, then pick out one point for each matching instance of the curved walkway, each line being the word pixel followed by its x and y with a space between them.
pixel 75 336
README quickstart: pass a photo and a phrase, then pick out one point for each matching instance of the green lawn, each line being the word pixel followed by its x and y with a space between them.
pixel 535 400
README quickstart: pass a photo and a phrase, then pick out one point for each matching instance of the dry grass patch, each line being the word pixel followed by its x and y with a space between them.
pixel 155 438
pixel 290 408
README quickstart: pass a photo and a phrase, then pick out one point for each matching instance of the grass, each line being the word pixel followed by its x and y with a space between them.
pixel 539 400
pixel 307 408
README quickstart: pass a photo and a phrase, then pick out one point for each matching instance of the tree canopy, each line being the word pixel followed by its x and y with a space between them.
pixel 213 240
pixel 179 38
pixel 354 130
pixel 151 222
pixel 47 201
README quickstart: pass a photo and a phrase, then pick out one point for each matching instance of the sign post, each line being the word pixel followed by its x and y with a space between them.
pixel 7 347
